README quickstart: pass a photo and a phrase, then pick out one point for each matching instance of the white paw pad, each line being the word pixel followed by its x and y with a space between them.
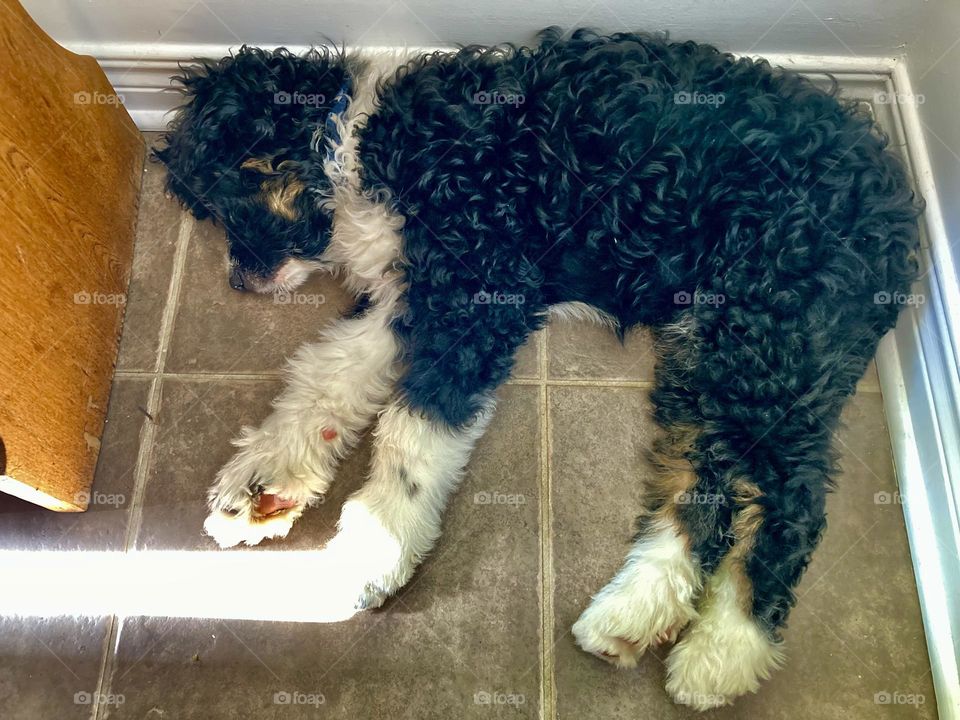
pixel 229 529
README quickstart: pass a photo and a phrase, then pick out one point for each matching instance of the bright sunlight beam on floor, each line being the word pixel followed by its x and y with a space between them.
pixel 308 586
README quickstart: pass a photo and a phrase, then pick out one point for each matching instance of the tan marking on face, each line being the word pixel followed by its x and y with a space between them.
pixel 260 164
pixel 280 196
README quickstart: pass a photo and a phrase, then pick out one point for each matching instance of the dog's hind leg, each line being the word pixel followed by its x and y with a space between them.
pixel 335 388
pixel 771 395
pixel 727 650
pixel 778 495
pixel 652 597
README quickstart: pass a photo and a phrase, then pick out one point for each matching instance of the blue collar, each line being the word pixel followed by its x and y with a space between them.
pixel 331 134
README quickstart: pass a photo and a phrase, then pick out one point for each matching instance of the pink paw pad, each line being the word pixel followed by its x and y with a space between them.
pixel 270 504
pixel 328 434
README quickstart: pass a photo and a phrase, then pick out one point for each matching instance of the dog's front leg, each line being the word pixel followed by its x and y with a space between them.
pixel 334 389
pixel 389 525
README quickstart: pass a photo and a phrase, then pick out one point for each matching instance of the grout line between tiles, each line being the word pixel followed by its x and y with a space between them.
pixel 599 383
pixel 144 452
pixel 200 376
pixel 279 374
pixel 548 701
pixel 106 664
pixel 134 520
pixel 156 388
pixel 173 294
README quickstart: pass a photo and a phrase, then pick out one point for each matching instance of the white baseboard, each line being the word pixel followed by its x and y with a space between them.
pixel 919 377
pixel 918 361
pixel 140 73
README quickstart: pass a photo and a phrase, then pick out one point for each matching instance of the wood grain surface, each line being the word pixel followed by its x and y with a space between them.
pixel 70 166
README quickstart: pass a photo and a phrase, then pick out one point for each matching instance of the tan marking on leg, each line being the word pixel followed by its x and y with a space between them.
pixel 674 475
pixel 746 525
pixel 650 600
pixel 726 653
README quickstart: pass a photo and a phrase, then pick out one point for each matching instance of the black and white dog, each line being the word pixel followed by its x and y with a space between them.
pixel 757 223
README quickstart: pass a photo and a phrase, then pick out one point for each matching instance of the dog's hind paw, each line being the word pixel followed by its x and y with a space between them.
pixel 724 653
pixel 619 634
pixel 710 667
pixel 648 602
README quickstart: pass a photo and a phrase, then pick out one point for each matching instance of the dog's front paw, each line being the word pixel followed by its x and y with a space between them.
pixel 371 561
pixel 260 493
pixel 230 529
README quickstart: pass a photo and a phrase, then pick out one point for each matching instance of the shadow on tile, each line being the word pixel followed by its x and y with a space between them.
pixel 220 330
pixel 158 224
pixel 586 351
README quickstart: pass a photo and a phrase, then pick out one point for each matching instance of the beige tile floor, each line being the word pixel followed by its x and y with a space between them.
pixel 490 610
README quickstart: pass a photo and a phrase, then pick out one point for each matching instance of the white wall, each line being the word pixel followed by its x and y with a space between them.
pixel 833 27
pixel 933 61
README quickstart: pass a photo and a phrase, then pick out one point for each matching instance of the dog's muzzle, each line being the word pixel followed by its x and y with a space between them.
pixel 236 279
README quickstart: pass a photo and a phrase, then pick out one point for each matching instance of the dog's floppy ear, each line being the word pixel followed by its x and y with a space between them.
pixel 255 104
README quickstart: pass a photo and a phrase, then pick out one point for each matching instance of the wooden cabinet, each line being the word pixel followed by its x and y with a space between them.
pixel 70 166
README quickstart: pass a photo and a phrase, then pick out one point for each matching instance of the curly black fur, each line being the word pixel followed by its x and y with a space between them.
pixel 754 233
pixel 604 187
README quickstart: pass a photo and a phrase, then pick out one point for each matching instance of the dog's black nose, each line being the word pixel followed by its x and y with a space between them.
pixel 236 279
